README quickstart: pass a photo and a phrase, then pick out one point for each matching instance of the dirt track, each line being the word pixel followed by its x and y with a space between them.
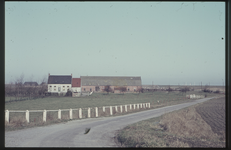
pixel 213 113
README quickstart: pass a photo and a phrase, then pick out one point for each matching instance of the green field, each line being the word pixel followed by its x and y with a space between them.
pixel 17 119
pixel 98 100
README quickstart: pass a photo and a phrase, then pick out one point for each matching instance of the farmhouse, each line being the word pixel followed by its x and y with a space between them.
pixel 97 83
pixel 59 83
pixel 26 84
pixel 76 85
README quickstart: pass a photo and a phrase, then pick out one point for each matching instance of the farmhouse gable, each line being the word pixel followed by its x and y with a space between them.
pixel 59 83
pixel 57 79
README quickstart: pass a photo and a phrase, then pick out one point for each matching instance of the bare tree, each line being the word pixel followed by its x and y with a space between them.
pixel 29 91
pixel 184 89
pixel 206 89
pixel 31 78
pixel 8 89
pixel 122 89
pixel 19 85
pixel 107 89
pixel 169 89
pixel 140 90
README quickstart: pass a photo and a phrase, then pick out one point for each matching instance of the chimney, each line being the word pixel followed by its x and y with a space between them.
pixel 49 74
pixel 71 74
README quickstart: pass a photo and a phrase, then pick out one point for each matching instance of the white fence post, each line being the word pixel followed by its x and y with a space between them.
pixel 149 105
pixel 137 106
pixel 89 113
pixel 80 113
pixel 110 110
pixel 144 105
pixel 134 106
pixel 103 109
pixel 27 116
pixel 116 109
pixel 7 116
pixel 140 105
pixel 59 114
pixel 70 113
pixel 125 108
pixel 121 108
pixel 96 111
pixel 130 106
pixel 44 116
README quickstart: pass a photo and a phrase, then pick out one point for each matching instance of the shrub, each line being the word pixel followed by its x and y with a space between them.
pixel 217 91
pixel 69 93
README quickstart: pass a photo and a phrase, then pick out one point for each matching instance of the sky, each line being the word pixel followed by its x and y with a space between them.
pixel 165 43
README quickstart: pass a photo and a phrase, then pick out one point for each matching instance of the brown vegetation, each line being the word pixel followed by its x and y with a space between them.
pixel 19 91
pixel 213 112
pixel 183 128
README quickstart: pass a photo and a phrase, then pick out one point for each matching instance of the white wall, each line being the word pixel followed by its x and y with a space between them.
pixel 76 89
pixel 62 89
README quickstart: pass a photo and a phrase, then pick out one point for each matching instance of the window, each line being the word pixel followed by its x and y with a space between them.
pixel 128 89
pixel 84 89
pixel 50 88
pixel 134 89
pixel 90 89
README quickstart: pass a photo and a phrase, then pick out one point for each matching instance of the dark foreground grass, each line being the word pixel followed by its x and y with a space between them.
pixel 182 128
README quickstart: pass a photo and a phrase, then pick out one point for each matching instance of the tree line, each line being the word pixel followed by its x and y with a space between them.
pixel 19 91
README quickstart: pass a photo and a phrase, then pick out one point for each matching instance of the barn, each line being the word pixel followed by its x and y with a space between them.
pixel 97 83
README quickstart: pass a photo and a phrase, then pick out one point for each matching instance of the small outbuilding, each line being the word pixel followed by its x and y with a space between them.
pixel 76 85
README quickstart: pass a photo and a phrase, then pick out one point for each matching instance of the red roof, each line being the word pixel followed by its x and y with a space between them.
pixel 76 82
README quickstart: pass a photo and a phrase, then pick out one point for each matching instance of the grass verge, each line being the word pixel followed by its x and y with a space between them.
pixel 182 128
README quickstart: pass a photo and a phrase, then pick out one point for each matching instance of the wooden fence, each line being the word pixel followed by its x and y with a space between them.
pixel 44 112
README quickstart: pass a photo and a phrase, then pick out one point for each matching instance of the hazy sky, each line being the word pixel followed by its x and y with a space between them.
pixel 163 42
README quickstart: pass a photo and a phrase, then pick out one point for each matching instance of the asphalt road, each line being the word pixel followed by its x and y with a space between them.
pixel 71 134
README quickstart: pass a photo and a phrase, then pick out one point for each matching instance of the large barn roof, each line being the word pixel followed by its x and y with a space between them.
pixel 59 79
pixel 110 80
